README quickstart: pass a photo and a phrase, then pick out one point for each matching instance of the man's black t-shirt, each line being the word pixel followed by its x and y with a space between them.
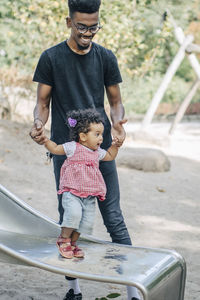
pixel 77 82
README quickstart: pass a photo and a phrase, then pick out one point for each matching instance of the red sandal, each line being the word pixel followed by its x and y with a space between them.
pixel 64 247
pixel 77 251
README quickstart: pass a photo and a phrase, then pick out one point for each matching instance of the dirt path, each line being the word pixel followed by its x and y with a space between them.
pixel 160 209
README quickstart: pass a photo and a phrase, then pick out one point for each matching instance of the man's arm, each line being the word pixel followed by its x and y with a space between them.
pixel 41 113
pixel 116 113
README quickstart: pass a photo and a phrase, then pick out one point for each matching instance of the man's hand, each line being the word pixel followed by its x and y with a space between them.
pixel 118 132
pixel 37 132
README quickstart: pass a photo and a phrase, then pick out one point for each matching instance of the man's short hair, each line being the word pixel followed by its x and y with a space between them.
pixel 83 6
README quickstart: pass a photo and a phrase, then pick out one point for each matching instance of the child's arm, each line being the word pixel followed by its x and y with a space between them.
pixel 111 153
pixel 54 148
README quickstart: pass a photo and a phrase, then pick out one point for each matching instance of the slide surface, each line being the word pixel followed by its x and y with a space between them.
pixel 29 238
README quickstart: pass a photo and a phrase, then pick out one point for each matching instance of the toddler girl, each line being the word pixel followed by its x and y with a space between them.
pixel 81 181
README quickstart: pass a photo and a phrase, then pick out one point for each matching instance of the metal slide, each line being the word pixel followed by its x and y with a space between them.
pixel 28 238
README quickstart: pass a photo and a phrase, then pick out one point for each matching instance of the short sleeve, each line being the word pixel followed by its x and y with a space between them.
pixel 69 148
pixel 43 72
pixel 101 153
pixel 112 74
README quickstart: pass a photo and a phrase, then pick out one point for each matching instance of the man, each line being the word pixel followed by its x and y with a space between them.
pixel 72 75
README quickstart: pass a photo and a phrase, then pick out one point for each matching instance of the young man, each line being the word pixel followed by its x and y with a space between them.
pixel 73 75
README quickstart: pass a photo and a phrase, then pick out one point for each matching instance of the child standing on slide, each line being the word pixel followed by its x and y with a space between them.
pixel 81 181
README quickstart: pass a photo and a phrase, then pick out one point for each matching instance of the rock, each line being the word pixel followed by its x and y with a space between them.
pixel 145 159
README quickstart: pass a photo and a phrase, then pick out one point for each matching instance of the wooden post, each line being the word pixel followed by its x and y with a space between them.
pixel 180 36
pixel 166 80
pixel 193 48
pixel 184 105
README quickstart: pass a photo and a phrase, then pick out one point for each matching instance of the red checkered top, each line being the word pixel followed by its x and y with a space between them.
pixel 80 174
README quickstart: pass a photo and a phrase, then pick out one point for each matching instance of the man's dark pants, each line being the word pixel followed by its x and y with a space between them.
pixel 109 208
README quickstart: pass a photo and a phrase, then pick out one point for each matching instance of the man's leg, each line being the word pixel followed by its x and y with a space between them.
pixel 73 284
pixel 112 214
pixel 110 208
pixel 57 164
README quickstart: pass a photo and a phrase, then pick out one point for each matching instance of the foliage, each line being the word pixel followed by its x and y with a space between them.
pixel 139 92
pixel 28 28
pixel 133 29
pixel 110 296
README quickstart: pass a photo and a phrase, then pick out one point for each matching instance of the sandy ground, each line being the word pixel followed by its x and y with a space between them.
pixel 161 209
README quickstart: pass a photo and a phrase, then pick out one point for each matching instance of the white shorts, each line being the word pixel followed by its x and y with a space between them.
pixel 79 213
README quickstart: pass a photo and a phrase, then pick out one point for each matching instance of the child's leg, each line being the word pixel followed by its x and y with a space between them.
pixel 64 242
pixel 71 220
pixel 86 223
pixel 74 237
pixel 67 232
pixel 88 215
pixel 72 213
pixel 76 250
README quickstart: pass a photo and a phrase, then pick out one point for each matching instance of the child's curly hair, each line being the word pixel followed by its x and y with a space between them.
pixel 79 121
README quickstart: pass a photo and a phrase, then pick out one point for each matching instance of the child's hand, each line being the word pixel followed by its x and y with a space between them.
pixel 37 131
pixel 116 142
pixel 118 132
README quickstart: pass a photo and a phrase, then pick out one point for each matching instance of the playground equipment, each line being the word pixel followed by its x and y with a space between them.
pixel 28 238
pixel 186 47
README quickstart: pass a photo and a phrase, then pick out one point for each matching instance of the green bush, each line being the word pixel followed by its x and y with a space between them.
pixel 133 29
pixel 138 93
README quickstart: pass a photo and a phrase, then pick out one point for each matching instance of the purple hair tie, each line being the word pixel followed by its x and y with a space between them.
pixel 72 122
